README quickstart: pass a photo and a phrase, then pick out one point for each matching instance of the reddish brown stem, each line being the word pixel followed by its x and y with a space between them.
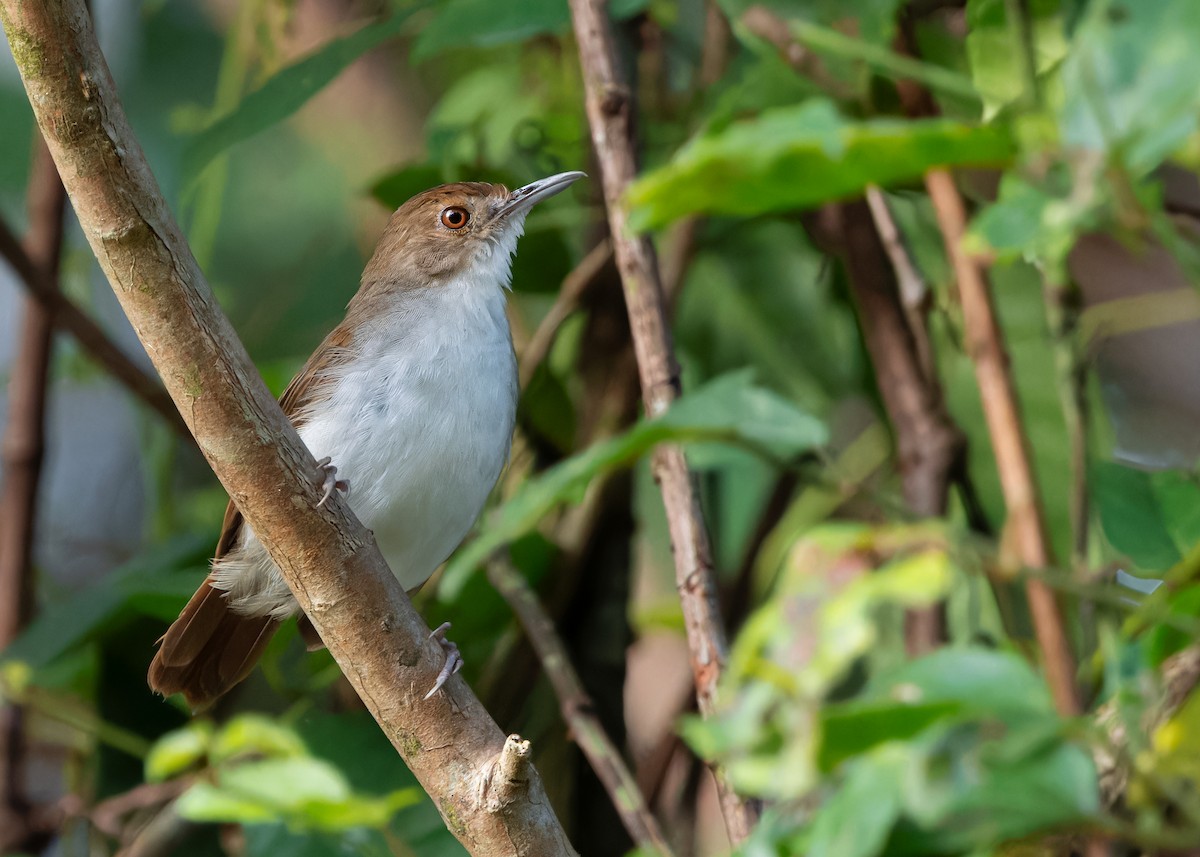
pixel 985 347
pixel 22 452
pixel 610 114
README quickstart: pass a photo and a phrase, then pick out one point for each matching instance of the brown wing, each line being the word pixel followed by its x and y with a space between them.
pixel 210 648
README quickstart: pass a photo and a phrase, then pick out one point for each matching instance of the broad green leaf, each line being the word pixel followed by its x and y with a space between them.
pixel 255 735
pixel 823 618
pixel 306 792
pixel 1035 223
pixel 852 728
pixel 730 409
pixel 994 50
pixel 1132 516
pixel 485 23
pixel 977 680
pixel 798 157
pixel 857 820
pixel 1129 81
pixel 964 795
pixel 287 91
pixel 177 751
pixel 155 584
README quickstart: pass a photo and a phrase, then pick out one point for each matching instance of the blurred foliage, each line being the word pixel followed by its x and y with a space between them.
pixel 283 133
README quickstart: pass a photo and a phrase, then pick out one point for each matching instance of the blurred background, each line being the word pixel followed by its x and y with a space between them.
pixel 835 425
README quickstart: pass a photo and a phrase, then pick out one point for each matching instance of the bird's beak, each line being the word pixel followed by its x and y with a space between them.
pixel 524 198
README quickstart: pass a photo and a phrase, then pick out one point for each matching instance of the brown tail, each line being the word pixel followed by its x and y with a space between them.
pixel 208 649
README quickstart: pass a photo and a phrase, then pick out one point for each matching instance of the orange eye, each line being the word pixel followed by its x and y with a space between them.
pixel 455 217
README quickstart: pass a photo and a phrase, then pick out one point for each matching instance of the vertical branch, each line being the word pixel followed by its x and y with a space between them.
pixel 610 117
pixel 986 350
pixel 24 443
pixel 21 452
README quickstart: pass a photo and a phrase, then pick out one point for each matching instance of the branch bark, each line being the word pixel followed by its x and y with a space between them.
pixel 578 710
pixel 22 452
pixel 985 347
pixel 327 557
pixel 610 117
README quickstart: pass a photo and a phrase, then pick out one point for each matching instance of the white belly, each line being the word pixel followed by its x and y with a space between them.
pixel 422 441
pixel 420 423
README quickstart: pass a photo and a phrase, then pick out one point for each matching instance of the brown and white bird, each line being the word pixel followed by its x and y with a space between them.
pixel 413 398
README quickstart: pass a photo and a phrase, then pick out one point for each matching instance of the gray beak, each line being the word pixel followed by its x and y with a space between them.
pixel 524 198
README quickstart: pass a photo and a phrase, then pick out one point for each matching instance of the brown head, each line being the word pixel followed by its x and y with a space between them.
pixel 442 232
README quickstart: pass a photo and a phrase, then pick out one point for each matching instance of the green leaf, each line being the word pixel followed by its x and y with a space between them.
pixel 256 735
pixel 857 820
pixel 852 728
pixel 1132 516
pixel 977 680
pixel 177 751
pixel 1035 223
pixel 155 584
pixel 288 90
pixel 997 66
pixel 729 409
pixel 485 23
pixel 306 792
pixel 797 157
pixel 1129 82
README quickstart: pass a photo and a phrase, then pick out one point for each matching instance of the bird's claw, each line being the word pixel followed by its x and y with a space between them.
pixel 331 483
pixel 454 660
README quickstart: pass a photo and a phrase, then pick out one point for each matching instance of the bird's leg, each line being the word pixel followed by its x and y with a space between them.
pixel 331 483
pixel 454 659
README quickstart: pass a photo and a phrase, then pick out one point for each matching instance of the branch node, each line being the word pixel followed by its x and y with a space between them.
pixel 614 100
pixel 505 777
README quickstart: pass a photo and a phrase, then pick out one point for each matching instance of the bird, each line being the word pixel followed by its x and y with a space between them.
pixel 408 405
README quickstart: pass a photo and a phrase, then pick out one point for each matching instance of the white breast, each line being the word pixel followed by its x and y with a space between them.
pixel 421 423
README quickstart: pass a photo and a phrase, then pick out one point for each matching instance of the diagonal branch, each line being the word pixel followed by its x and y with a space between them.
pixel 610 117
pixel 985 346
pixel 486 789
pixel 577 710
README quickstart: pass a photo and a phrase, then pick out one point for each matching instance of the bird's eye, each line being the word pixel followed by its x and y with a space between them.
pixel 455 217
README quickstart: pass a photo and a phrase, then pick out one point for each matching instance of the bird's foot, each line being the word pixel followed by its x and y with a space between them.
pixel 454 659
pixel 331 482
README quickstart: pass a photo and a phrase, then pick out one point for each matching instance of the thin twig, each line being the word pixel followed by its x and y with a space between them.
pixel 985 347
pixel 915 295
pixel 577 709
pixel 22 452
pixel 610 117
pixel 326 556
pixel 89 334
pixel 572 289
